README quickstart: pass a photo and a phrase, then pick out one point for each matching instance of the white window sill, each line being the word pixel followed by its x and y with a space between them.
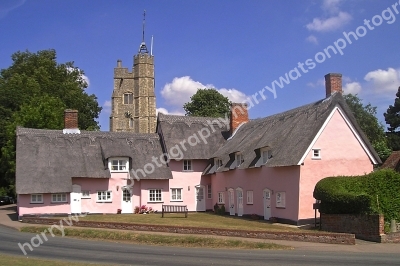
pixel 54 202
pixel 187 170
pixel 104 201
pixel 316 158
pixel 155 202
pixel 85 197
pixel 176 200
pixel 37 202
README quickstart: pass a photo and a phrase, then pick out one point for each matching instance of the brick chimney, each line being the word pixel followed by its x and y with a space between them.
pixel 333 83
pixel 239 115
pixel 71 122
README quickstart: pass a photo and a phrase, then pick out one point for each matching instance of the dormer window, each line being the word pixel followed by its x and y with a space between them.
pixel 239 159
pixel 265 154
pixel 218 163
pixel 118 164
pixel 128 98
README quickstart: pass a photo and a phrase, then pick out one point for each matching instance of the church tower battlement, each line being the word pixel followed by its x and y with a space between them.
pixel 133 101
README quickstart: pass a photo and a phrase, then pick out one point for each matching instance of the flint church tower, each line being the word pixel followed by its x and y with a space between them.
pixel 133 102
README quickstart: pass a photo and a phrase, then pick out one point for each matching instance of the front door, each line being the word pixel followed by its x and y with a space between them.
pixel 200 201
pixel 126 204
pixel 267 203
pixel 231 202
pixel 239 194
pixel 75 197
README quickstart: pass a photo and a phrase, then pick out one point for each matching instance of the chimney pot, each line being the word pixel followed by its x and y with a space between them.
pixel 333 83
pixel 239 115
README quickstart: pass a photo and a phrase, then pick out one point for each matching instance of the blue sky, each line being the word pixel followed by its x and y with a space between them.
pixel 237 47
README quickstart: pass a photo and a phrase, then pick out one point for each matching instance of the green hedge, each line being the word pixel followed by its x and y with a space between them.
pixel 377 192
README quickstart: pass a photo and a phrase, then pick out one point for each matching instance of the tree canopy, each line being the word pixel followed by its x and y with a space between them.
pixel 373 129
pixel 392 118
pixel 208 103
pixel 34 91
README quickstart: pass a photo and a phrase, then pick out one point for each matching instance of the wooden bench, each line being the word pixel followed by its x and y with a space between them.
pixel 174 209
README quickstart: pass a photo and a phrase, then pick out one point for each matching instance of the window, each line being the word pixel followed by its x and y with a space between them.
pixel 128 98
pixel 176 194
pixel 280 199
pixel 59 197
pixel 239 159
pixel 37 198
pixel 118 165
pixel 104 196
pixel 218 163
pixel 209 194
pixel 187 165
pixel 266 154
pixel 316 154
pixel 130 122
pixel 85 194
pixel 249 196
pixel 221 197
pixel 155 195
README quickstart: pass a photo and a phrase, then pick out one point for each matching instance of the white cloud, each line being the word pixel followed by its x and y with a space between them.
pixel 384 81
pixel 107 107
pixel 353 88
pixel 329 24
pixel 318 83
pixel 331 6
pixel 312 39
pixel 83 76
pixel 166 112
pixel 179 91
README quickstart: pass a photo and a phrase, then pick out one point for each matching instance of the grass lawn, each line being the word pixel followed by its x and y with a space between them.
pixel 22 261
pixel 201 219
pixel 155 239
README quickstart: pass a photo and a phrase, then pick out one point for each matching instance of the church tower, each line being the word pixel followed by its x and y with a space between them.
pixel 133 102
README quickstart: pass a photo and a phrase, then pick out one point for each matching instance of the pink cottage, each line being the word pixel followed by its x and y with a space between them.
pixel 266 166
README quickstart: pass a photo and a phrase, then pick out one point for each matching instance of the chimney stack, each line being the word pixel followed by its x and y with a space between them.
pixel 71 122
pixel 333 83
pixel 239 115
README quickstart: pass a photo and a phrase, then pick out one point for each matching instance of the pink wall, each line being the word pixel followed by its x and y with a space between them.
pixel 341 154
pixel 26 207
pixel 278 179
pixel 188 180
pixel 145 185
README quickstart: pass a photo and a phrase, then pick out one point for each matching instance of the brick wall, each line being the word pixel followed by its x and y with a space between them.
pixel 239 115
pixel 367 227
pixel 331 238
pixel 70 119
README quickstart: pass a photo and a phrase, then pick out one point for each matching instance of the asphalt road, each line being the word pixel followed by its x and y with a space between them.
pixel 63 248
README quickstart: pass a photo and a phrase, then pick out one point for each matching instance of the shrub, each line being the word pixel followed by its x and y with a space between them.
pixel 377 192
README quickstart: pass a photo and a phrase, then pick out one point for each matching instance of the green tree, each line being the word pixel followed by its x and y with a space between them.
pixel 208 103
pixel 392 118
pixel 34 91
pixel 373 129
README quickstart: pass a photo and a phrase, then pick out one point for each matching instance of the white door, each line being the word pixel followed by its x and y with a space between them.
pixel 200 199
pixel 126 204
pixel 267 203
pixel 231 202
pixel 75 196
pixel 239 194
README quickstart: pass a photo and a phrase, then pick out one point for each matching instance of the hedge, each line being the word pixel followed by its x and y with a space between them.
pixel 374 193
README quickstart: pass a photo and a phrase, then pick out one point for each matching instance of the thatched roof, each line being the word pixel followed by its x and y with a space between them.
pixel 393 161
pixel 287 134
pixel 176 129
pixel 48 159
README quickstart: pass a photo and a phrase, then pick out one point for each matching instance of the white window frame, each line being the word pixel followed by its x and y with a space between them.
pixel 122 164
pixel 34 198
pixel 155 191
pixel 218 163
pixel 221 197
pixel 249 196
pixel 209 191
pixel 59 197
pixel 174 192
pixel 85 194
pixel 280 199
pixel 265 155
pixel 188 165
pixel 107 194
pixel 316 154
pixel 239 159
pixel 129 99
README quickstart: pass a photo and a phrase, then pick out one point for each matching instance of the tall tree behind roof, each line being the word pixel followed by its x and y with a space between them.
pixel 207 103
